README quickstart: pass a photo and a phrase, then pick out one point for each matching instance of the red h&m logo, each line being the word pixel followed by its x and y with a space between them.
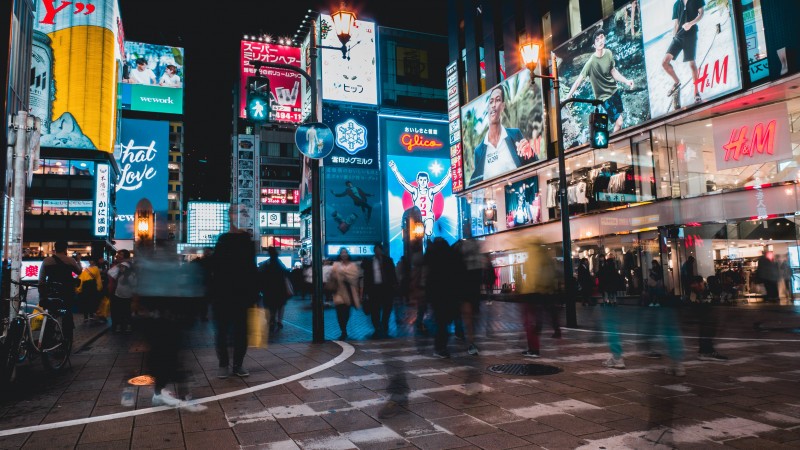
pixel 762 140
pixel 719 73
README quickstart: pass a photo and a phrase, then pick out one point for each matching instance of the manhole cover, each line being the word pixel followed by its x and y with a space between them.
pixel 524 369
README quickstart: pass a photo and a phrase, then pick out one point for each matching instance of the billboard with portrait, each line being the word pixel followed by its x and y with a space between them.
pixel 648 59
pixel 353 79
pixel 142 156
pixel 152 78
pixel 352 206
pixel 503 129
pixel 355 138
pixel 285 86
pixel 523 203
pixel 74 72
pixel 418 174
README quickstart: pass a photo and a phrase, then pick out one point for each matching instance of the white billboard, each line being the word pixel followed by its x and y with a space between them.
pixel 353 79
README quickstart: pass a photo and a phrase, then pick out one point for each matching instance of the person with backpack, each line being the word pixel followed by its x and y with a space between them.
pixel 57 282
pixel 89 290
pixel 122 279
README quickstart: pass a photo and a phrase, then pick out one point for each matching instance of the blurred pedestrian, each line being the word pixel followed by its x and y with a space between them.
pixel 539 286
pixel 233 289
pixel 203 271
pixel 474 261
pixel 585 283
pixel 609 281
pixel 688 273
pixel 767 273
pixel 380 282
pixel 346 275
pixel 655 283
pixel 444 275
pixel 122 283
pixel 56 283
pixel 89 290
pixel 275 287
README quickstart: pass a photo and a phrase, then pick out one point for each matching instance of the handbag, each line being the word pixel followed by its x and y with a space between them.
pixel 289 287
pixel 257 327
pixel 104 309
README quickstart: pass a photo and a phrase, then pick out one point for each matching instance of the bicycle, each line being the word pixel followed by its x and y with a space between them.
pixel 39 332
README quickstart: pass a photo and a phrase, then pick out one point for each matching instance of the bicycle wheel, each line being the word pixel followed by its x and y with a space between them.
pixel 55 346
pixel 11 351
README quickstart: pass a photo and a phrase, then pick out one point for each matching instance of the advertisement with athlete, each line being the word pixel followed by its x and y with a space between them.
pixel 419 174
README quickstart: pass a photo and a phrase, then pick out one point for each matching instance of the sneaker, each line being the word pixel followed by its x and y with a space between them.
pixel 530 354
pixel 444 354
pixel 166 398
pixel 222 372
pixel 391 409
pixel 473 350
pixel 676 369
pixel 241 372
pixel 713 356
pixel 614 363
pixel 653 355
pixel 191 405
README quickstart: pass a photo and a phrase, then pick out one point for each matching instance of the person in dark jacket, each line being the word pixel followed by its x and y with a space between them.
pixel 380 281
pixel 444 273
pixel 275 288
pixel 585 282
pixel 233 289
pixel 609 281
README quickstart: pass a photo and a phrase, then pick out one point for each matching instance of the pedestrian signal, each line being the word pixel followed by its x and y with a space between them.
pixel 258 107
pixel 598 129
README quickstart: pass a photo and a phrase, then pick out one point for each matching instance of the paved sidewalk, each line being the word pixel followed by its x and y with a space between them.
pixel 750 401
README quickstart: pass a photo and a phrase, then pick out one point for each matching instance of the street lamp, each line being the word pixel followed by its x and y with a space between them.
pixel 343 21
pixel 530 56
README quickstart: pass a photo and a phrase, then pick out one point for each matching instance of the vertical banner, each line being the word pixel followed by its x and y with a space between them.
pixel 246 188
pixel 143 157
pixel 418 174
pixel 101 207
pixel 454 119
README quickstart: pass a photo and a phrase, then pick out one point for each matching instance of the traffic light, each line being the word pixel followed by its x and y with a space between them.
pixel 598 129
pixel 258 108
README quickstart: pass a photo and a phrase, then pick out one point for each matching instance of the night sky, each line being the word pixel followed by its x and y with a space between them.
pixel 210 34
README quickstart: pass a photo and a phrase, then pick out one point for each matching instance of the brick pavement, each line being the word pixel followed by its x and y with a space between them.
pixel 751 401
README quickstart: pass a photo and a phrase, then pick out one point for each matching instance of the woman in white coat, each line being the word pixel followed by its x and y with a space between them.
pixel 347 275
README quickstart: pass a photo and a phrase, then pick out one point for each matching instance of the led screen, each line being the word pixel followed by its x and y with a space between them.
pixel 354 78
pixel 152 78
pixel 286 100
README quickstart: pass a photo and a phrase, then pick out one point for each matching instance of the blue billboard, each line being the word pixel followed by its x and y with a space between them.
pixel 142 157
pixel 352 206
pixel 355 137
pixel 418 174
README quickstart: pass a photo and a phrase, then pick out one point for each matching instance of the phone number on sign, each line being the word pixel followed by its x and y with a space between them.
pixel 287 116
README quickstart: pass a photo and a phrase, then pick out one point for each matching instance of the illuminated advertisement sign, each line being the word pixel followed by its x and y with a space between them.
pixel 753 137
pixel 355 138
pixel 74 73
pixel 142 159
pixel 523 203
pixel 206 222
pixel 273 196
pixel 454 115
pixel 30 269
pixel 152 79
pixel 418 174
pixel 354 250
pixel 285 94
pixel 353 79
pixel 625 67
pixel 352 205
pixel 503 129
pixel 245 169
pixel 101 206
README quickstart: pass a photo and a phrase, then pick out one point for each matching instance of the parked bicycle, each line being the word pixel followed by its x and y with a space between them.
pixel 36 330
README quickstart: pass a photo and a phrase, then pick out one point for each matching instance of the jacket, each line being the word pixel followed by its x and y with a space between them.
pixel 388 271
pixel 348 278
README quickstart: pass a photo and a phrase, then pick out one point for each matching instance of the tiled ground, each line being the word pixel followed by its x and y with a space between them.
pixel 751 401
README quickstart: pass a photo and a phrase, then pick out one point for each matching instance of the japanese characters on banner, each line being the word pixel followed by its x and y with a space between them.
pixel 754 137
pixel 285 86
pixel 454 118
pixel 142 157
pixel 353 79
pixel 245 188
pixel 355 135
pixel 101 199
pixel 418 174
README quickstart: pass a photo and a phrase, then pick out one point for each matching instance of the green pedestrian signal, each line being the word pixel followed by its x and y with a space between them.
pixel 598 130
pixel 258 107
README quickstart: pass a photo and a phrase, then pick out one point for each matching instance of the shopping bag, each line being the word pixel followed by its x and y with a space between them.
pixel 104 309
pixel 257 327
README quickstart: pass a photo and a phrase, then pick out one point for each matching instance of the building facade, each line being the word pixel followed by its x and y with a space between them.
pixel 176 220
pixel 702 180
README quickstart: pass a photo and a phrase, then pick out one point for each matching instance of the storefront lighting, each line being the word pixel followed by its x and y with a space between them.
pixel 708 124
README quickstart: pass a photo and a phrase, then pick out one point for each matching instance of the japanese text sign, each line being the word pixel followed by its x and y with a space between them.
pixel 285 98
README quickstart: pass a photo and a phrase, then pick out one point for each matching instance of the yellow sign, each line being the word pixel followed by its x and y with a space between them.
pixel 412 63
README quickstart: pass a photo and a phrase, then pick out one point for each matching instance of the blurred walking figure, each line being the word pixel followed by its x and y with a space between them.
pixel 609 281
pixel 585 282
pixel 655 283
pixel 380 282
pixel 89 290
pixel 539 286
pixel 233 289
pixel 56 282
pixel 203 273
pixel 475 262
pixel 767 273
pixel 122 284
pixel 444 275
pixel 662 322
pixel 275 287
pixel 346 293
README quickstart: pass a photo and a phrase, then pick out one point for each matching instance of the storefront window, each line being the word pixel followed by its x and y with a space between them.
pixel 33 207
pixel 482 212
pixel 85 168
pixel 55 166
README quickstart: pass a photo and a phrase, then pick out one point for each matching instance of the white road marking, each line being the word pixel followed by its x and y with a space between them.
pixel 347 351
pixel 549 409
pixel 758 379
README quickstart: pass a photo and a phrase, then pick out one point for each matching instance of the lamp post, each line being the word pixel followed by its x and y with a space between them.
pixel 530 56
pixel 343 22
